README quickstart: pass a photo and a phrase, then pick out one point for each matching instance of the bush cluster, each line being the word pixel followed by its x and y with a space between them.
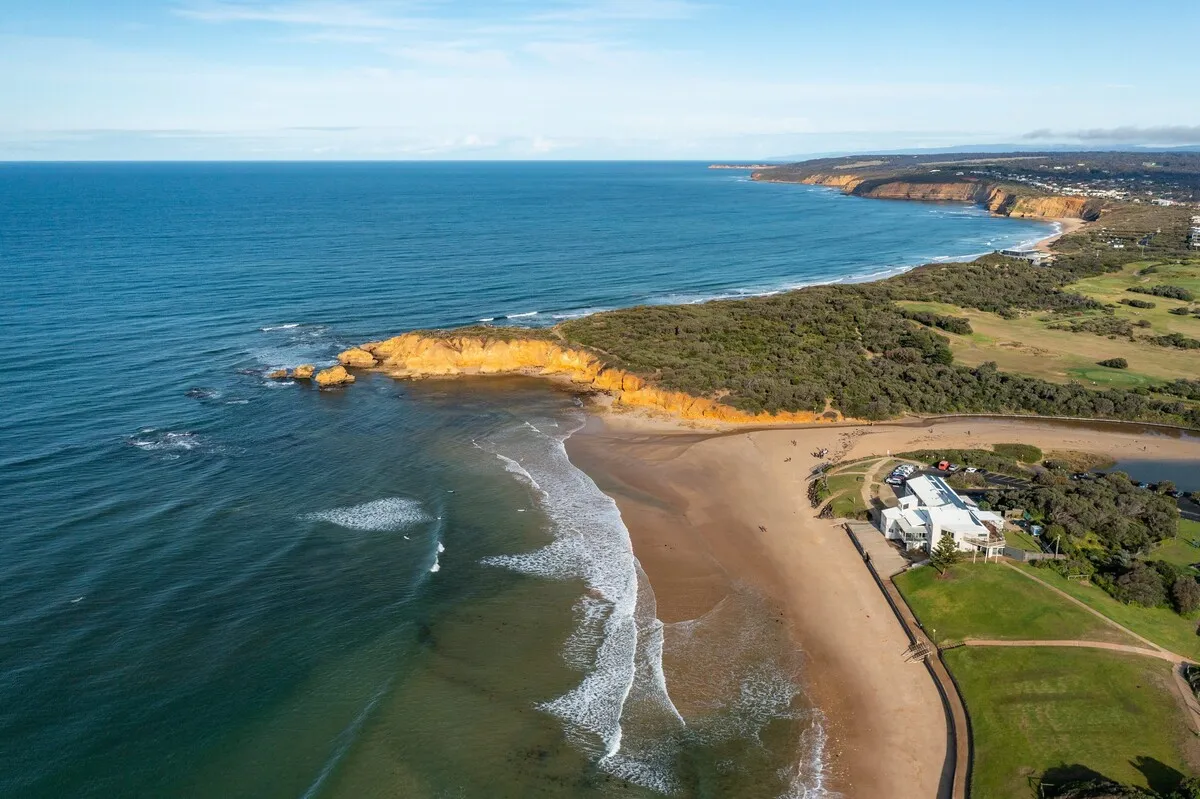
pixel 951 324
pixel 1171 292
pixel 1176 340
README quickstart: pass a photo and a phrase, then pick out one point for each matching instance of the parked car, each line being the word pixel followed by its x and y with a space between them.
pixel 972 469
pixel 954 467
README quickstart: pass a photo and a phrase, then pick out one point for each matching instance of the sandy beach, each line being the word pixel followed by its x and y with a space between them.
pixel 709 511
pixel 1066 226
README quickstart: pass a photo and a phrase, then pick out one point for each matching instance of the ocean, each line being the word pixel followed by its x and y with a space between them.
pixel 215 585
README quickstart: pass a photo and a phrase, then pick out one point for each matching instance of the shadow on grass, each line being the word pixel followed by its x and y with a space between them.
pixel 1076 781
pixel 1161 778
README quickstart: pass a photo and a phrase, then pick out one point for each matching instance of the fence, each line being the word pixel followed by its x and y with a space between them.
pixel 1025 556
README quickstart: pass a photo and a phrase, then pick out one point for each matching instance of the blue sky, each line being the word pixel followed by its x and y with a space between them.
pixel 705 79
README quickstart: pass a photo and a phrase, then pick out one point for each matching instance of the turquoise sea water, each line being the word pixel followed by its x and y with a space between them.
pixel 212 585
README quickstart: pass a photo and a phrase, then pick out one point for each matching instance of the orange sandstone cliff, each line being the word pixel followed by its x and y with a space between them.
pixel 414 355
pixel 997 200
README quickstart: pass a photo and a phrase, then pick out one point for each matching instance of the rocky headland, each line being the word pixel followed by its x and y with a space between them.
pixel 451 354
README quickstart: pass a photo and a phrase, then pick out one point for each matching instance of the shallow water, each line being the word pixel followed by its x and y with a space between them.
pixel 214 585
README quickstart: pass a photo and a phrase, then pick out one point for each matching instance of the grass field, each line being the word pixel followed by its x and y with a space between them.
pixel 1034 709
pixel 1026 345
pixel 1180 551
pixel 990 600
pixel 1021 540
pixel 845 489
pixel 1163 626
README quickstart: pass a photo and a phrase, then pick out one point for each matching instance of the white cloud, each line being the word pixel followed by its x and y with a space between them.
pixel 607 10
pixel 317 13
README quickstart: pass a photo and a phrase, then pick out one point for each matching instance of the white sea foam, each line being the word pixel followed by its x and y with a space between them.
pixel 808 777
pixel 488 319
pixel 153 440
pixel 590 541
pixel 381 515
pixel 524 315
pixel 516 468
pixel 288 326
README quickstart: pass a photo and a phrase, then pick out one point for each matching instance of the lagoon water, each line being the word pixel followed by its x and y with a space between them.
pixel 213 585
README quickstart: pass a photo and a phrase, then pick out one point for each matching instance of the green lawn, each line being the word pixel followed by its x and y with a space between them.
pixel 1034 709
pixel 849 505
pixel 1179 551
pixel 990 600
pixel 1020 539
pixel 1162 626
pixel 845 482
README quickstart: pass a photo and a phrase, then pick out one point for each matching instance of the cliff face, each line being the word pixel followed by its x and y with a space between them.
pixel 950 192
pixel 416 355
pixel 997 200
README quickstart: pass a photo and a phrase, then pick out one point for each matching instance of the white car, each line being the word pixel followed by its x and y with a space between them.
pixel 971 469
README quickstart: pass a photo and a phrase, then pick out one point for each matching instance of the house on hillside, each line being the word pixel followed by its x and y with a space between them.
pixel 930 507
pixel 1035 257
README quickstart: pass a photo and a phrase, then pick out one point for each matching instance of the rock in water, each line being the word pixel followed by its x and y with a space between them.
pixel 304 371
pixel 356 356
pixel 278 374
pixel 333 376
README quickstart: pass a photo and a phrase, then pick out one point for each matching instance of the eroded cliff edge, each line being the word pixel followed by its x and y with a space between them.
pixel 997 199
pixel 419 355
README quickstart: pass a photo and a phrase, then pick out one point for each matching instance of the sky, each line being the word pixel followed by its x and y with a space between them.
pixel 586 79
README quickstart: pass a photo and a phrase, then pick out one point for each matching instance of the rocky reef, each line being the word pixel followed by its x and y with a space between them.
pixel 998 200
pixel 416 355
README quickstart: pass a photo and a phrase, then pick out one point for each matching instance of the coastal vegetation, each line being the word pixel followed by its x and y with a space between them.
pixel 875 351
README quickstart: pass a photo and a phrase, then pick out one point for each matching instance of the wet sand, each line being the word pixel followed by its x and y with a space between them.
pixel 708 511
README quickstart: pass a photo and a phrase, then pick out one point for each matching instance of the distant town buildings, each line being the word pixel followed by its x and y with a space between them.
pixel 1194 233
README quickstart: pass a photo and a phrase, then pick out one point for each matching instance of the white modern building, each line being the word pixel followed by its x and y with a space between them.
pixel 929 507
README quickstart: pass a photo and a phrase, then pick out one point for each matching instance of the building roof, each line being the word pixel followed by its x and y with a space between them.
pixel 947 510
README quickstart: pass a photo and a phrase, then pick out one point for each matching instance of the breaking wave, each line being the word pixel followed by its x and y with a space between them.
pixel 591 542
pixel 381 515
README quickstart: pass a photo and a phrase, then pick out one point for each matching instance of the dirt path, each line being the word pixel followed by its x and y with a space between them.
pixel 1094 612
pixel 869 480
pixel 1161 654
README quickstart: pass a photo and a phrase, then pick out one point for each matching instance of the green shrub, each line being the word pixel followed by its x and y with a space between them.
pixel 1171 292
pixel 1137 303
pixel 1115 363
pixel 1025 453
pixel 1176 340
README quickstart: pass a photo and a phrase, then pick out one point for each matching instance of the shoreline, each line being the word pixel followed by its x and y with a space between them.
pixel 708 510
